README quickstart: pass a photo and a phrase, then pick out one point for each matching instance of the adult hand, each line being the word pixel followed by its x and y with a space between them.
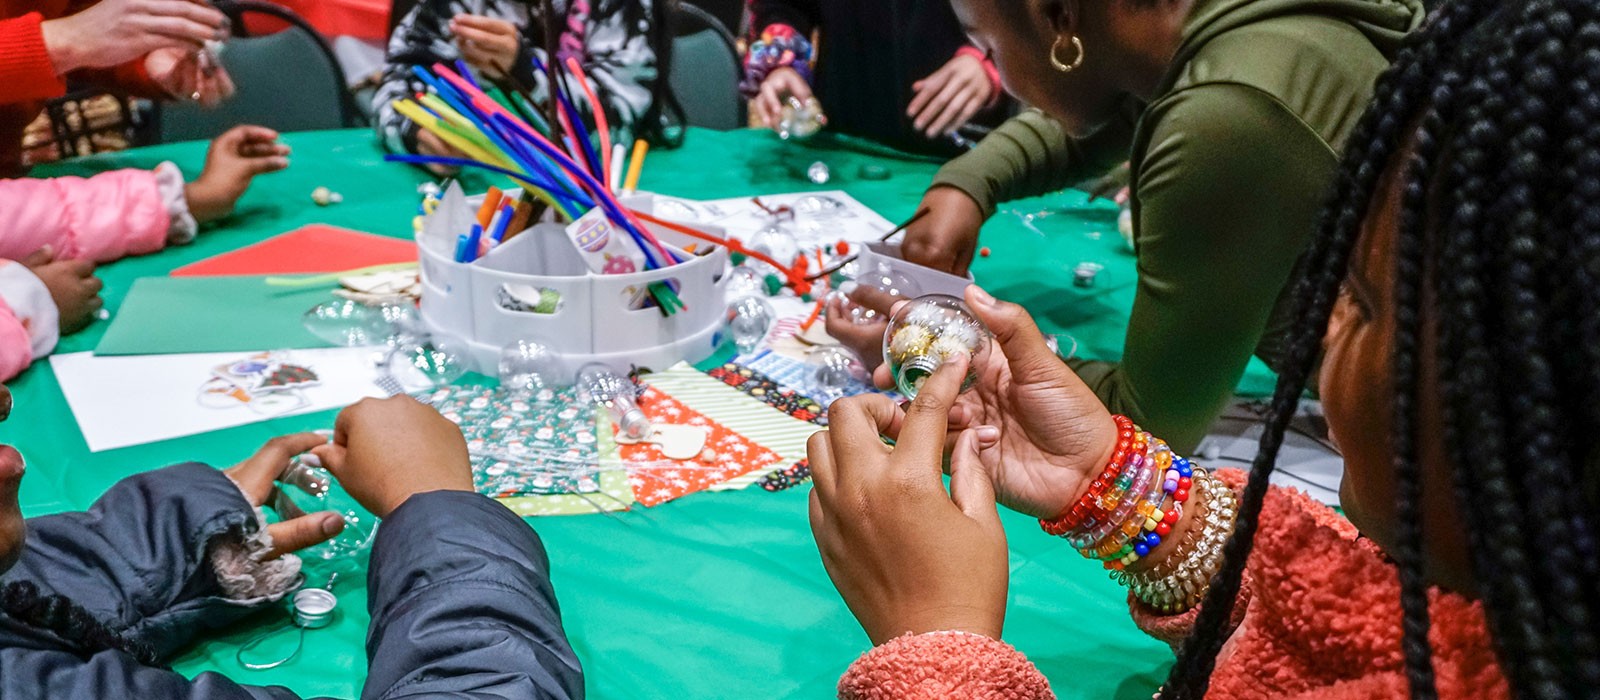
pixel 384 451
pixel 235 158
pixel 781 84
pixel 113 32
pixel 950 96
pixel 72 285
pixel 488 44
pixel 905 555
pixel 255 477
pixel 863 334
pixel 186 76
pixel 1055 434
pixel 429 144
pixel 947 237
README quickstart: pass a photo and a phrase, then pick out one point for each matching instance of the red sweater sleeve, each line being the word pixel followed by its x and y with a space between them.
pixel 944 666
pixel 25 67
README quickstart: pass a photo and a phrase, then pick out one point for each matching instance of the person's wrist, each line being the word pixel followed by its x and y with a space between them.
pixel 949 619
pixel 61 44
pixel 202 201
pixel 956 201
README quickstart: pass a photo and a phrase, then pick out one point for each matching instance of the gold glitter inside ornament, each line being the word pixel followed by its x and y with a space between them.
pixel 927 332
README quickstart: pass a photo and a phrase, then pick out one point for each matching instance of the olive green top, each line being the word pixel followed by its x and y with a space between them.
pixel 1230 165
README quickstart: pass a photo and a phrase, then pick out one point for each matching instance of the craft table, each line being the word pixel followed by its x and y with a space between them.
pixel 716 595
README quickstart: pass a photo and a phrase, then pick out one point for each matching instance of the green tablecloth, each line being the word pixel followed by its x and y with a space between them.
pixel 715 595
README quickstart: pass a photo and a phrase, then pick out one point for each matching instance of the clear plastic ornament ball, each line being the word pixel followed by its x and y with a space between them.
pixel 925 333
pixel 310 488
pixel 884 277
pixel 601 385
pixel 350 323
pixel 748 320
pixel 743 281
pixel 775 241
pixel 426 361
pixel 836 370
pixel 529 369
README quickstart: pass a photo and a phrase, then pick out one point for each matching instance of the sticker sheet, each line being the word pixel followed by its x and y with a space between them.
pixel 727 454
pixel 552 427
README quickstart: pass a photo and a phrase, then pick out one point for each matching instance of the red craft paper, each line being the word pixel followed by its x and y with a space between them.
pixel 314 249
pixel 735 454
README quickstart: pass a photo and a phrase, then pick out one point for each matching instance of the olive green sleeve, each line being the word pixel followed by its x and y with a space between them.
pixel 1227 199
pixel 1030 155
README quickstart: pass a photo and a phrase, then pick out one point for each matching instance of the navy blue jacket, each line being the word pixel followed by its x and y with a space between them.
pixel 458 590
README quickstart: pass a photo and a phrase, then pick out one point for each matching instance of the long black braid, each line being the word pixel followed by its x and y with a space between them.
pixel 1504 101
pixel 22 601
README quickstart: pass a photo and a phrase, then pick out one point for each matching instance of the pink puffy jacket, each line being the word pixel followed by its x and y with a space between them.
pixel 102 218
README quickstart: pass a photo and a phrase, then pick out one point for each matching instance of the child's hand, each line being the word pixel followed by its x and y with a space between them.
pixel 255 477
pixel 235 158
pixel 429 144
pixel 950 96
pixel 780 84
pixel 385 451
pixel 72 286
pixel 905 555
pixel 487 44
pixel 184 76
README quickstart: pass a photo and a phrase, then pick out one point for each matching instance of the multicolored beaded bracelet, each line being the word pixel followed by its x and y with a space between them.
pixel 1086 504
pixel 1141 518
pixel 1175 485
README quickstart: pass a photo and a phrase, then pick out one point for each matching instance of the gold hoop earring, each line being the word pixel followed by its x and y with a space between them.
pixel 1076 61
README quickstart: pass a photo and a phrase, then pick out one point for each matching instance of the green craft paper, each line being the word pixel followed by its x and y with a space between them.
pixel 166 315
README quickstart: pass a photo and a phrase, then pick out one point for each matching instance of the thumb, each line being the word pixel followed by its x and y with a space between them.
pixel 970 486
pixel 307 530
pixel 40 257
pixel 1026 350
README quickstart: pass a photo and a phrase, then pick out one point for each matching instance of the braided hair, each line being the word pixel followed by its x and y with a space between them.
pixel 22 601
pixel 1502 102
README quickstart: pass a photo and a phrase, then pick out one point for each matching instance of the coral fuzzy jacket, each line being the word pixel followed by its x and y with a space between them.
pixel 1320 619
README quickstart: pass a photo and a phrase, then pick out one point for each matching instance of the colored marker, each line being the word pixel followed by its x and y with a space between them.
pixel 491 203
pixel 473 240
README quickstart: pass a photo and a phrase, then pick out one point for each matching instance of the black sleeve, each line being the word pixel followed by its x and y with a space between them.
pixel 803 15
pixel 462 605
pixel 137 559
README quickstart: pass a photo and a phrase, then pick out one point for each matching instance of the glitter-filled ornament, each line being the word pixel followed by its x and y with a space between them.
pixel 925 333
pixel 800 119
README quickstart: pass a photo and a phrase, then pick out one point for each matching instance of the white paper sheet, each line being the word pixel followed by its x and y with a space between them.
pixel 134 399
pixel 821 218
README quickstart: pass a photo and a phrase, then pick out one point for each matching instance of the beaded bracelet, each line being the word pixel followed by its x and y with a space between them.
pixel 1176 484
pixel 1168 565
pixel 1148 514
pixel 1190 578
pixel 1074 516
pixel 1143 478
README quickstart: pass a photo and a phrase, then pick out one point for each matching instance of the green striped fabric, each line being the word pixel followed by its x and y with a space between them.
pixel 739 412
